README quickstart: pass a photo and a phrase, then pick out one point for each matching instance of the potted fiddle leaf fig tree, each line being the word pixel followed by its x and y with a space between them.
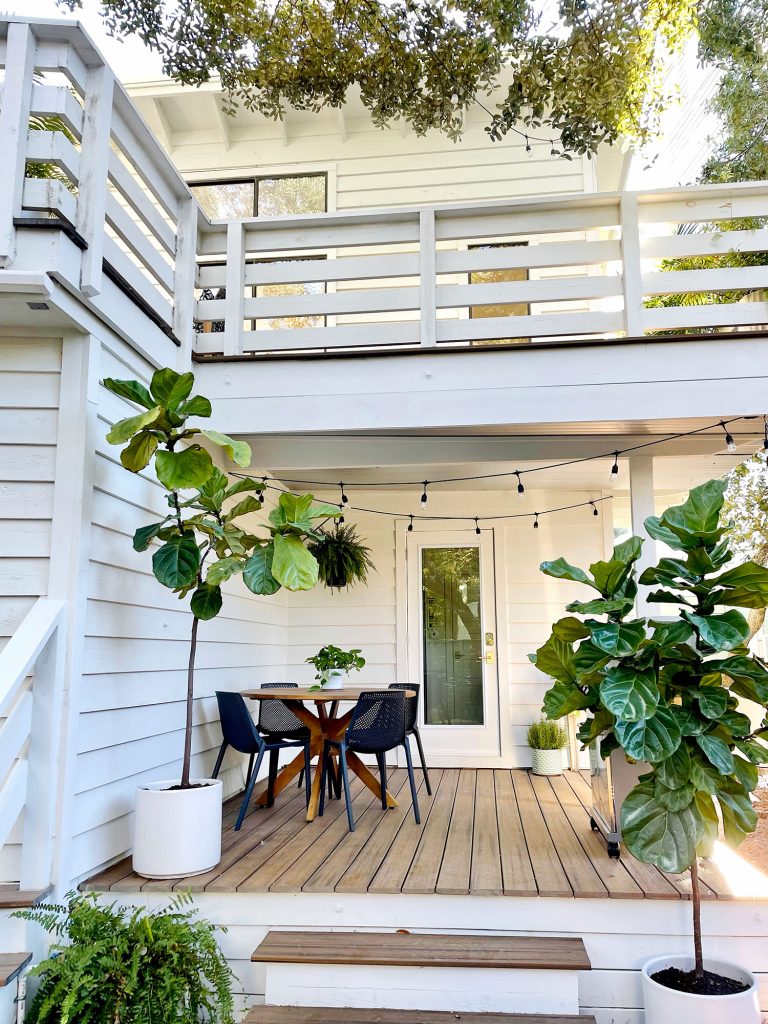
pixel 666 692
pixel 202 543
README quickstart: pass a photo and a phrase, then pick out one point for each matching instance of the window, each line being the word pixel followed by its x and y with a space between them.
pixel 279 196
pixel 500 309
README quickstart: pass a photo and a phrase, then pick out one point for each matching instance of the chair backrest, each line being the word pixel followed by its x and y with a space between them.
pixel 274 717
pixel 236 723
pixel 411 703
pixel 378 720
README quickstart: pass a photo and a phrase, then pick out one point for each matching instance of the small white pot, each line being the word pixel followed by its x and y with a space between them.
pixel 547 762
pixel 665 1006
pixel 177 832
pixel 335 679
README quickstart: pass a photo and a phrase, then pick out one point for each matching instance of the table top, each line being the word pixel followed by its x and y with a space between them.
pixel 305 693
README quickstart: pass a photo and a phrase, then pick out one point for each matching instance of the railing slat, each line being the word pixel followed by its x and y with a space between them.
pixel 529 257
pixel 537 326
pixel 722 279
pixel 345 336
pixel 54 148
pixel 13 796
pixel 133 277
pixel 140 203
pixel 22 650
pixel 48 194
pixel 56 101
pixel 14 121
pixel 631 274
pixel 704 243
pixel 353 301
pixel 14 732
pixel 427 290
pixel 568 289
pixel 94 161
pixel 235 279
pixel 726 314
pixel 140 244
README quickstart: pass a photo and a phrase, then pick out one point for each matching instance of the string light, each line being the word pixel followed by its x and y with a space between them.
pixel 424 494
pixel 410 525
pixel 340 521
pixel 528 145
pixel 730 444
pixel 615 466
pixel 520 487
pixel 344 498
pixel 536 521
pixel 477 527
pixel 553 151
pixel 594 509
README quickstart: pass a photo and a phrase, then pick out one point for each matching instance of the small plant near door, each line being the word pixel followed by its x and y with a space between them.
pixel 332 664
pixel 547 741
pixel 667 692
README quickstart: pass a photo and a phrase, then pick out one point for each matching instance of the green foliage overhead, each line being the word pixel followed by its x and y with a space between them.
pixel 582 73
pixel 667 692
pixel 123 965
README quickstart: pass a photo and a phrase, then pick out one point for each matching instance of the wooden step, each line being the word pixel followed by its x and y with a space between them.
pixel 11 965
pixel 410 949
pixel 339 1015
pixel 14 898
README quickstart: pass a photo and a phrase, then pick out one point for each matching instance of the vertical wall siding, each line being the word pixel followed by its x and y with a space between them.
pixel 29 403
pixel 366 617
pixel 136 648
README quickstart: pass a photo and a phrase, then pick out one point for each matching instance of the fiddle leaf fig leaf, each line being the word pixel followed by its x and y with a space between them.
pixel 238 451
pixel 570 629
pixel 224 569
pixel 144 536
pixel 563 698
pixel 651 739
pixel 555 659
pixel 133 390
pixel 675 770
pixel 248 504
pixel 630 694
pixel 170 388
pixel 717 752
pixel 739 816
pixel 257 574
pixel 674 799
pixel 713 701
pixel 196 406
pixel 176 563
pixel 746 586
pixel 721 632
pixel 206 601
pixel 619 639
pixel 123 430
pixel 656 834
pixel 601 607
pixel 293 565
pixel 138 453
pixel 562 570
pixel 698 518
pixel 185 469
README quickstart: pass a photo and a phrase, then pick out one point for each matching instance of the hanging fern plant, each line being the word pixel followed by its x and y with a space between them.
pixel 342 558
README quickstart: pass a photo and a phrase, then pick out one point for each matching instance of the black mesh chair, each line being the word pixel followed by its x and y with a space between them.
pixel 239 731
pixel 277 721
pixel 377 725
pixel 411 724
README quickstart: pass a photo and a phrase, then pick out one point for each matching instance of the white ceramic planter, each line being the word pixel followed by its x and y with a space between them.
pixel 335 680
pixel 665 1006
pixel 547 762
pixel 177 832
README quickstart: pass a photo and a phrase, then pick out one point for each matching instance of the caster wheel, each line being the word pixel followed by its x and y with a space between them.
pixel 614 850
pixel 593 825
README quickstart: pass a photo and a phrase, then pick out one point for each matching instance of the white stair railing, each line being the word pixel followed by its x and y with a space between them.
pixel 31 691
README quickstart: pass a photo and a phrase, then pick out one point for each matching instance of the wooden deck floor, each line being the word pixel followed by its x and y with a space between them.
pixel 483 832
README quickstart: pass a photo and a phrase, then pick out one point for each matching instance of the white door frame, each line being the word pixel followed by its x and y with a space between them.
pixel 405 668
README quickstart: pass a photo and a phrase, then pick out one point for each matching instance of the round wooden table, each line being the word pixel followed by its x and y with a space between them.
pixel 325 725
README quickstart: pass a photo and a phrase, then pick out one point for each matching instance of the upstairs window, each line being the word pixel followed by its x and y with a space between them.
pixel 278 196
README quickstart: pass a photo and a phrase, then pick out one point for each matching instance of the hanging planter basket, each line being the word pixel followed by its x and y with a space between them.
pixel 342 559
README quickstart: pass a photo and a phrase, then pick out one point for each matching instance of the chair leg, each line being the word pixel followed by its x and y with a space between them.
pixel 323 778
pixel 412 781
pixel 249 790
pixel 307 773
pixel 345 785
pixel 250 765
pixel 301 778
pixel 381 758
pixel 219 759
pixel 423 760
pixel 274 758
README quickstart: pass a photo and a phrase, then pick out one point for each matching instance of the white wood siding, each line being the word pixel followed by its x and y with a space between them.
pixel 528 602
pixel 29 402
pixel 130 726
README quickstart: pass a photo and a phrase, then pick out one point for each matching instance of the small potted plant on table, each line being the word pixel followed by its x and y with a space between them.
pixel 667 693
pixel 333 666
pixel 547 741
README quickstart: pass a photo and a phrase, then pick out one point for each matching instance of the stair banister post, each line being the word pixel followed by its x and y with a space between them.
pixel 235 284
pixel 94 167
pixel 641 498
pixel 427 278
pixel 14 125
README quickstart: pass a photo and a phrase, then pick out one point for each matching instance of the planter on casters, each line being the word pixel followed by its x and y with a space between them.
pixel 177 832
pixel 547 762
pixel 667 1006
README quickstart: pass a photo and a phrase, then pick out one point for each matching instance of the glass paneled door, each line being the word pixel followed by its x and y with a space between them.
pixel 452 642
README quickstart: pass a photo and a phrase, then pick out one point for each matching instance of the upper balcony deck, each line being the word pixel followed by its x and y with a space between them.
pixel 78 157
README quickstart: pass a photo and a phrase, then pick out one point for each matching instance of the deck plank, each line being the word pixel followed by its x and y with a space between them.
pixel 456 866
pixel 347 1015
pixel 547 869
pixel 516 869
pixel 485 877
pixel 394 868
pixel 425 867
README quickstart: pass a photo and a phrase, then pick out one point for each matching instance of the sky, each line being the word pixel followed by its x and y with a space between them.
pixel 131 60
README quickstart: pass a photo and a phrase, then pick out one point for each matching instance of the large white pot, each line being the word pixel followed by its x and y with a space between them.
pixel 547 762
pixel 177 832
pixel 335 679
pixel 665 1006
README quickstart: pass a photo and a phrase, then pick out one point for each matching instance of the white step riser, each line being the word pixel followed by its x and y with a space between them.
pixel 466 989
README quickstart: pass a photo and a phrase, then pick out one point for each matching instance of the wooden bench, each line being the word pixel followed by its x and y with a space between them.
pixel 11 966
pixel 344 1015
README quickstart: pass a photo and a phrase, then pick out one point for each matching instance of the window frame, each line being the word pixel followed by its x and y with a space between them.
pixel 254 180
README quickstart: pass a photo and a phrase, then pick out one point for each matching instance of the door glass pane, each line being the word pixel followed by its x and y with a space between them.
pixel 453 676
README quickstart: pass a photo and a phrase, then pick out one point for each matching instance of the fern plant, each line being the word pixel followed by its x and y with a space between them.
pixel 124 965
pixel 342 558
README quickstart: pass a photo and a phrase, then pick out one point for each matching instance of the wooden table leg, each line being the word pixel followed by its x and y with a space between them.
pixel 366 776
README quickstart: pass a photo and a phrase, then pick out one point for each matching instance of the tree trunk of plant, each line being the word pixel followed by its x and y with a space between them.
pixel 185 765
pixel 696 901
pixel 756 617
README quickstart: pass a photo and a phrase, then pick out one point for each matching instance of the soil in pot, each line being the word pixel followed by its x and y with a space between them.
pixel 709 984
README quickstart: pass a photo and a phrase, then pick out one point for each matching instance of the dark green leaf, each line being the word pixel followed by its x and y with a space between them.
pixel 242 508
pixel 690 722
pixel 619 639
pixel 746 773
pixel 675 771
pixel 739 816
pixel 176 563
pixel 705 811
pixel 600 607
pixel 562 570
pixel 563 698
pixel 717 752
pixel 196 406
pixel 570 629
pixel 652 739
pixel 206 601
pixel 257 574
pixel 224 569
pixel 669 633
pixel 185 469
pixel 657 835
pixel 130 389
pixel 704 776
pixel 656 530
pixel 756 751
pixel 144 536
pixel 555 659
pixel 629 694
pixel 137 454
pixel 736 723
pixel 699 515
pixel 713 701
pixel 674 799
pixel 170 388
pixel 746 586
pixel 722 632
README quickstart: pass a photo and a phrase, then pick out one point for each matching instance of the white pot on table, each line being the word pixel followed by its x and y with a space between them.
pixel 177 832
pixel 335 679
pixel 666 1006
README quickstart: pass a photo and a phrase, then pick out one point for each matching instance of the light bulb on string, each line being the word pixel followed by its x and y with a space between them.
pixel 765 434
pixel 536 520
pixel 594 509
pixel 424 493
pixel 344 498
pixel 615 466
pixel 528 148
pixel 410 525
pixel 520 487
pixel 340 521
pixel 477 526
pixel 730 444
pixel 553 151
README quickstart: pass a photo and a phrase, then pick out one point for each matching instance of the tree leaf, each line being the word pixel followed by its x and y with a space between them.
pixel 563 698
pixel 619 639
pixel 722 632
pixel 651 739
pixel 293 566
pixel 699 516
pixel 196 406
pixel 555 659
pixel 248 504
pixel 137 454
pixel 601 607
pixel 188 468
pixel 570 629
pixel 657 835
pixel 170 388
pixel 125 429
pixel 630 694
pixel 675 771
pixel 238 451
pixel 562 570
pixel 713 701
pixel 674 799
pixel 746 773
pixel 176 563
pixel 746 586
pixel 658 531
pixel 224 569
pixel 717 752
pixel 739 816
pixel 257 574
pixel 666 634
pixel 206 601
pixel 704 809
pixel 144 536
pixel 130 389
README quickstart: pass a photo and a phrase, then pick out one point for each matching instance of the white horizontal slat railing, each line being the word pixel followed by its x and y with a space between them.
pixel 31 690
pixel 560 268
pixel 80 152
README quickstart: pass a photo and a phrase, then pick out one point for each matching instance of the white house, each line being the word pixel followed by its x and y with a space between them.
pixel 399 315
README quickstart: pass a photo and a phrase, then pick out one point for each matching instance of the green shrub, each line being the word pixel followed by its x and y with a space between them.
pixel 544 735
pixel 123 965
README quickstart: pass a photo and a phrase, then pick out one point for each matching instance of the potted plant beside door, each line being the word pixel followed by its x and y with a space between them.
pixel 667 693
pixel 177 824
pixel 547 741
